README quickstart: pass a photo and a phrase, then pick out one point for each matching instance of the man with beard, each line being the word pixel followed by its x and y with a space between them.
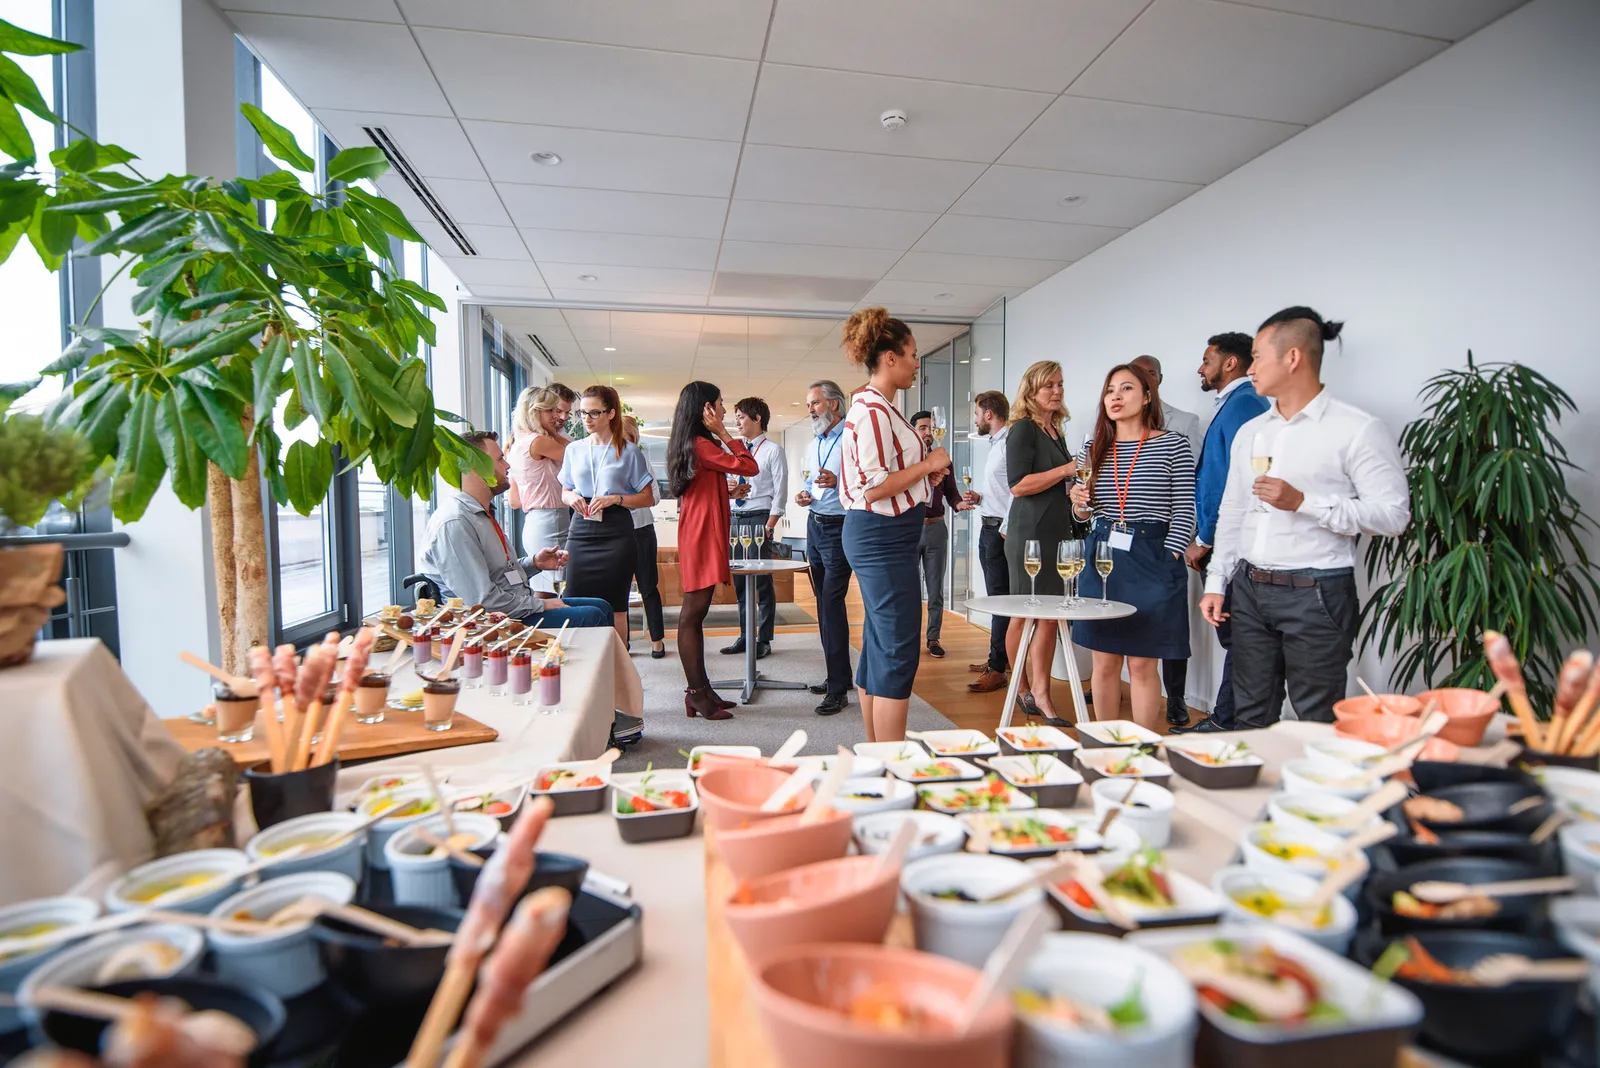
pixel 830 571
pixel 468 555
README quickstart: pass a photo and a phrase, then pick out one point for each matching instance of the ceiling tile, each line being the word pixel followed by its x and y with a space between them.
pixel 761 220
pixel 558 83
pixel 1108 137
pixel 1028 193
pixel 622 250
pixel 1288 68
pixel 852 179
pixel 626 297
pixel 977 236
pixel 555 208
pixel 809 108
pixel 707 27
pixel 1023 44
pixel 770 258
pixel 492 292
pixel 1449 20
pixel 776 303
pixel 497 242
pixel 497 274
pixel 593 325
pixel 435 147
pixel 358 66
pixel 599 159
pixel 934 297
pixel 364 10
pixel 973 270
pixel 625 279
pixel 469 203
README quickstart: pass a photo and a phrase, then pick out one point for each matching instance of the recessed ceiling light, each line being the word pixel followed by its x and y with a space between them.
pixel 983 359
pixel 943 296
pixel 611 348
pixel 964 361
pixel 545 159
pixel 794 404
pixel 1071 200
pixel 619 378
pixel 588 278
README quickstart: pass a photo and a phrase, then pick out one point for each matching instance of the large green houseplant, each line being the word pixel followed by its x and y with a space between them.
pixel 247 329
pixel 1495 539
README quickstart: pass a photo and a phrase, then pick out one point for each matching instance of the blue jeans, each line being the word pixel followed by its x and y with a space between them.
pixel 579 611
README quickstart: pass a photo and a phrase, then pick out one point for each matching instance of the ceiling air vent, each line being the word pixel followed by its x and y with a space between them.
pixel 408 174
pixel 542 351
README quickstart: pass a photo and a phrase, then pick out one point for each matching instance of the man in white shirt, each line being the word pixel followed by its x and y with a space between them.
pixel 989 412
pixel 826 403
pixel 1174 673
pixel 759 503
pixel 1287 539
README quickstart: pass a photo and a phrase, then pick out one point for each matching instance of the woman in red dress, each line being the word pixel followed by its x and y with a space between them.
pixel 697 470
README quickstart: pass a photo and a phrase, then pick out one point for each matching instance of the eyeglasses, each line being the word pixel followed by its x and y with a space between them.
pixel 594 414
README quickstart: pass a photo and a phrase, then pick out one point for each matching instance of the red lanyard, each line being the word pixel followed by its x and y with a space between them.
pixel 1123 489
pixel 503 543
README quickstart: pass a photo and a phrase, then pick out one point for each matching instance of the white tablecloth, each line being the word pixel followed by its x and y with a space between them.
pixel 81 754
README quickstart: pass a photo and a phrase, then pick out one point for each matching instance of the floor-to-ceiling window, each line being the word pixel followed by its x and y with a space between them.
pixel 963 546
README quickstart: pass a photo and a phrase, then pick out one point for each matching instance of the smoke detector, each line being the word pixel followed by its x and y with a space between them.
pixel 893 119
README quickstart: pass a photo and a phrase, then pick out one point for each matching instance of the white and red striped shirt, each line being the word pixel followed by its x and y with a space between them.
pixel 878 442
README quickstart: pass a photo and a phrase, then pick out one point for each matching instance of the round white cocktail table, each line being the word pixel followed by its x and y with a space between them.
pixel 750 570
pixel 1016 606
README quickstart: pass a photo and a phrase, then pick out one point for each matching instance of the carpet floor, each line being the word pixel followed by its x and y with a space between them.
pixel 766 722
pixel 727 615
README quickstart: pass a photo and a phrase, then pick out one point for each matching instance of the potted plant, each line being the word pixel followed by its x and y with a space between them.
pixel 264 308
pixel 1495 538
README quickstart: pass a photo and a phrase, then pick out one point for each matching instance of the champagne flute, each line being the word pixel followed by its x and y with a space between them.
pixel 966 477
pixel 733 542
pixel 940 424
pixel 744 540
pixel 1031 564
pixel 1260 463
pixel 761 536
pixel 805 478
pixel 1102 564
pixel 1069 561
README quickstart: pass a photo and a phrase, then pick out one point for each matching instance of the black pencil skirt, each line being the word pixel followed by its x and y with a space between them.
pixel 600 556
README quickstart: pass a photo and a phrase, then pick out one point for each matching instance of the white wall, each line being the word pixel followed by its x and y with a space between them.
pixel 1454 208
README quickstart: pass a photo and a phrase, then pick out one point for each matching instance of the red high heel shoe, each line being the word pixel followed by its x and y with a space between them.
pixel 705 704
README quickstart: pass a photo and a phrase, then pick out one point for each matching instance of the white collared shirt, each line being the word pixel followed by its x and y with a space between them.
pixel 879 442
pixel 769 489
pixel 995 487
pixel 1347 464
pixel 1222 394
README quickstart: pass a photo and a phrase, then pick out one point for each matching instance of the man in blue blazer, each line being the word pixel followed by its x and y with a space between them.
pixel 1225 371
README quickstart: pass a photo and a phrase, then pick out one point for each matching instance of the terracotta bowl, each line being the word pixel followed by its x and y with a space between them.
pixel 1389 731
pixel 783 843
pixel 833 901
pixel 1394 704
pixel 804 993
pixel 1469 710
pixel 731 797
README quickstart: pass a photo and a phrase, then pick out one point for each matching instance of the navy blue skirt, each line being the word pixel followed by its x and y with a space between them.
pixel 1151 579
pixel 882 550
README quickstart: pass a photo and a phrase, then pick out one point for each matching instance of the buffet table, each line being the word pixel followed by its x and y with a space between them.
pixel 82 755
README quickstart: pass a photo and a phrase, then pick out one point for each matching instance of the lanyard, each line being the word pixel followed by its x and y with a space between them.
pixel 822 459
pixel 496 523
pixel 1123 489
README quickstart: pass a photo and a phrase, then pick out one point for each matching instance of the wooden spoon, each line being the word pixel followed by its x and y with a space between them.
pixel 1004 966
pixel 471 860
pixel 786 751
pixel 1046 874
pixel 404 933
pixel 1092 879
pixel 211 1028
pixel 1442 892
pixel 1384 798
pixel 1499 969
pixel 797 781
pixel 243 687
pixel 899 846
pixel 822 800
pixel 1375 698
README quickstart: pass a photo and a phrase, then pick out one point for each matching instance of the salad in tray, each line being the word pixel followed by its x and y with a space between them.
pixel 1024 834
pixel 1141 880
pixel 647 798
pixel 1255 984
pixel 990 795
pixel 557 780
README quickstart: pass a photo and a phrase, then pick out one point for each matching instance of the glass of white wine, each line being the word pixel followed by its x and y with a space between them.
pixel 1031 564
pixel 941 422
pixel 1260 462
pixel 805 478
pixel 1069 561
pixel 733 543
pixel 744 540
pixel 1102 564
pixel 966 477
pixel 761 537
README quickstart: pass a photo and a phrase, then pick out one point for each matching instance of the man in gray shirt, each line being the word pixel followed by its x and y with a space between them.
pixel 468 555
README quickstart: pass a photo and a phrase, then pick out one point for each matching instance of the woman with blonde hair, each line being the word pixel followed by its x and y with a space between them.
pixel 534 456
pixel 1038 462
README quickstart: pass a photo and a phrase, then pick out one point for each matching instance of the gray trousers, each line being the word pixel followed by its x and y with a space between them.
pixel 1298 638
pixel 933 551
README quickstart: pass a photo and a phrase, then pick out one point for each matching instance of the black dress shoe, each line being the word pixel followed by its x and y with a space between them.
pixel 658 654
pixel 1177 717
pixel 735 649
pixel 833 704
pixel 763 650
pixel 818 688
pixel 1205 726
pixel 935 649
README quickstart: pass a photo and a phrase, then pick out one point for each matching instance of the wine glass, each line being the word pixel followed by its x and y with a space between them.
pixel 940 424
pixel 1260 462
pixel 744 540
pixel 966 477
pixel 761 536
pixel 805 478
pixel 1102 564
pixel 1031 564
pixel 1069 561
pixel 733 542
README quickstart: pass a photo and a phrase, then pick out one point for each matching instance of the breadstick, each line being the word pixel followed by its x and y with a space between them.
pixel 1583 716
pixel 1570 685
pixel 266 685
pixel 1503 662
pixel 355 666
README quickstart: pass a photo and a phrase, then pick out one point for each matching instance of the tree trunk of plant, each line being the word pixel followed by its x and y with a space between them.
pixel 219 500
pixel 253 622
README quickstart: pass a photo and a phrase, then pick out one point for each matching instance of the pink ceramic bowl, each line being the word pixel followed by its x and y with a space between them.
pixel 842 900
pixel 804 995
pixel 1469 710
pixel 731 797
pixel 1394 704
pixel 783 843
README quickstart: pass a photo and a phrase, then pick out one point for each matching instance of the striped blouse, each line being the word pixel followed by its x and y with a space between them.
pixel 1159 489
pixel 879 442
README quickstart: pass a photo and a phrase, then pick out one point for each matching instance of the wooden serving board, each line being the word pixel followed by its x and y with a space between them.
pixel 398 734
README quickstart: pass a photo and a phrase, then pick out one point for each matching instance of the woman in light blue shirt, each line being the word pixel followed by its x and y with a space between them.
pixel 603 476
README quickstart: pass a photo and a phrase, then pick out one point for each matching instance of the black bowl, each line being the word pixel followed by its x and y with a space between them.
pixel 1536 757
pixel 379 974
pixel 1486 806
pixel 1505 845
pixel 275 798
pixel 1516 913
pixel 256 1008
pixel 1432 774
pixel 549 869
pixel 1491 1022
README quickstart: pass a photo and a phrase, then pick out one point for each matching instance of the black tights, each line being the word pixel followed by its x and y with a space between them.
pixel 692 636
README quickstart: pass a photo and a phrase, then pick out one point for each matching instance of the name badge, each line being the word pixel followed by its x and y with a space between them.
pixel 515 577
pixel 1121 540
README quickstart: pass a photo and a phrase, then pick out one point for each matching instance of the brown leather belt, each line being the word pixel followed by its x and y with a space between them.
pixel 1281 578
pixel 933 519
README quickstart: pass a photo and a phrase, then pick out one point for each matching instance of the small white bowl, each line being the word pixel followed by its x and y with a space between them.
pixel 397 779
pixel 964 930
pixel 860 767
pixel 380 833
pixel 80 966
pixel 1292 887
pixel 1344 752
pixel 1577 923
pixel 888 751
pixel 1326 777
pixel 895 795
pixel 55 911
pixel 1580 848
pixel 935 833
pixel 1153 822
pixel 347 857
pixel 1098 970
pixel 419 877
pixel 287 961
pixel 726 750
pixel 1289 809
pixel 222 864
pixel 1256 858
pixel 959 743
pixel 1118 732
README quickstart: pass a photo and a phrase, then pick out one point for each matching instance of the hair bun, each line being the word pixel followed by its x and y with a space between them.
pixel 862 332
pixel 1330 329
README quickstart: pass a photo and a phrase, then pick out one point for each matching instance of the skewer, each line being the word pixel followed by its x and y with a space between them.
pixel 448 811
pixel 233 682
pixel 550 652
